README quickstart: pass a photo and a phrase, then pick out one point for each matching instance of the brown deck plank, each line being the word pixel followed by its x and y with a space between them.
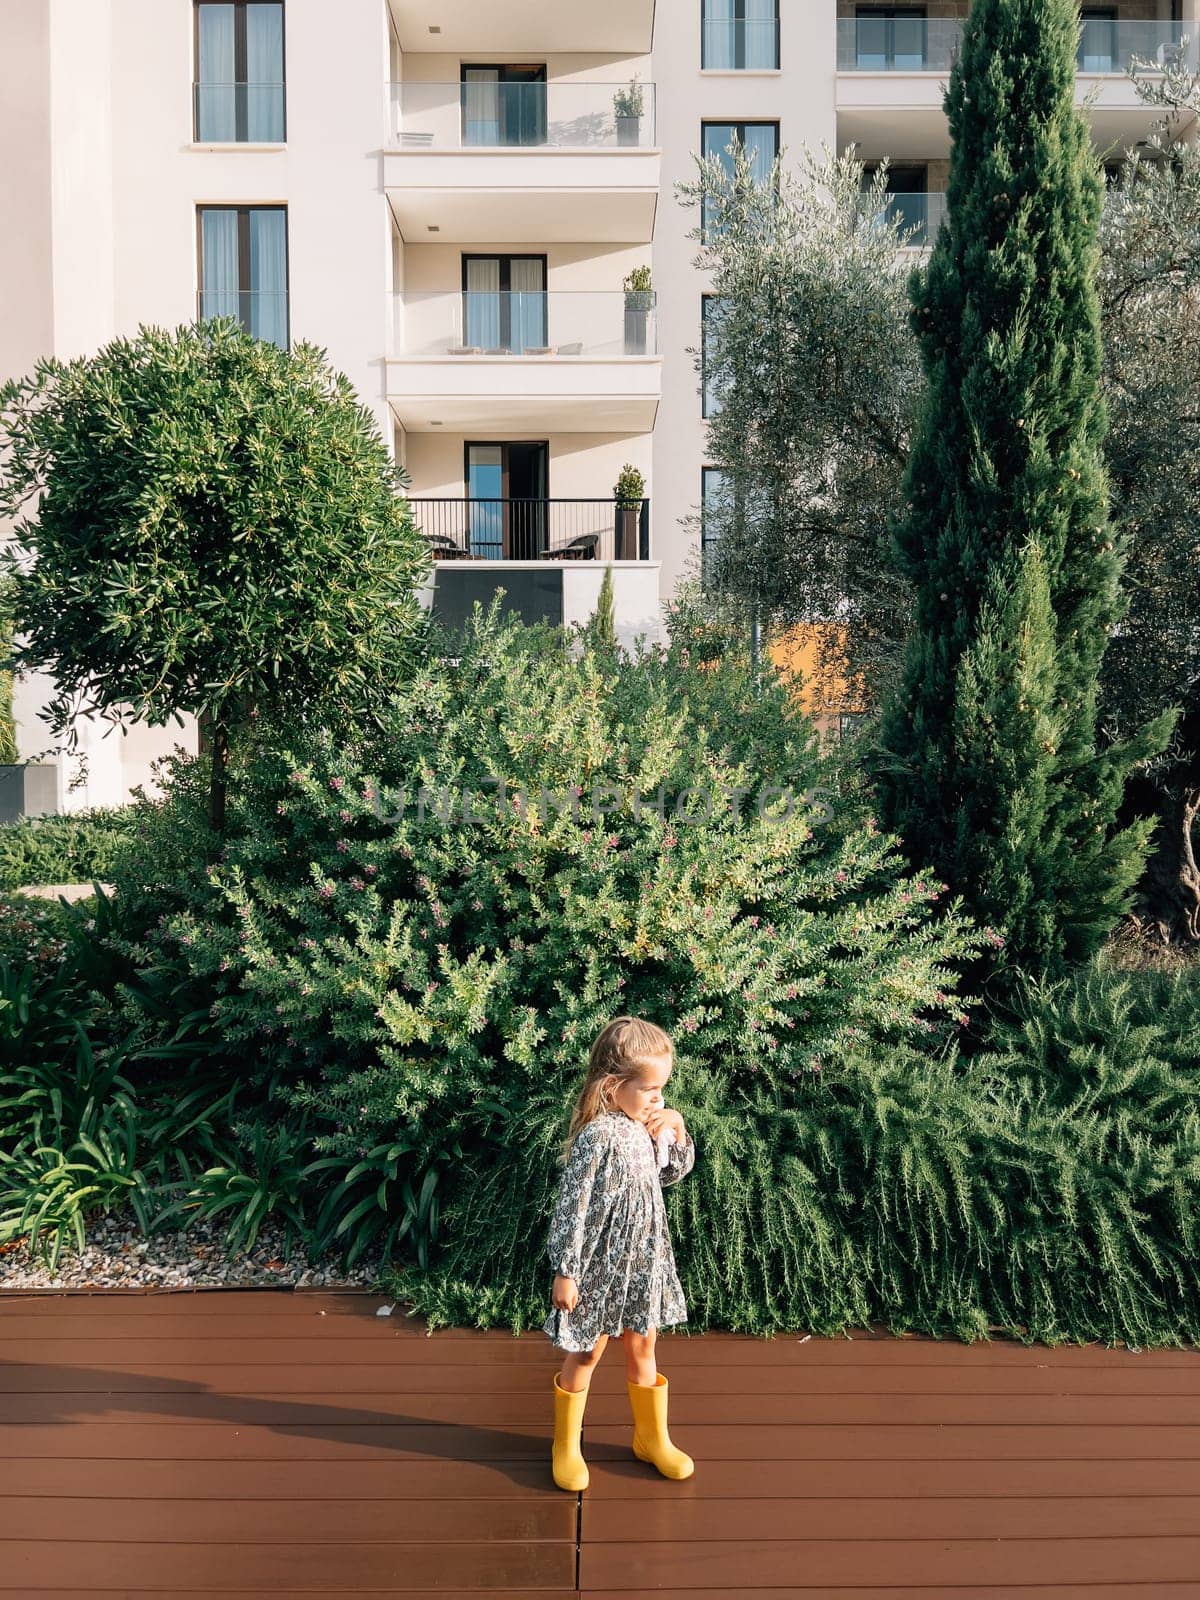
pixel 411 1408
pixel 322 1366
pixel 332 1441
pixel 915 1563
pixel 311 1521
pixel 623 1479
pixel 1010 1517
pixel 289 1567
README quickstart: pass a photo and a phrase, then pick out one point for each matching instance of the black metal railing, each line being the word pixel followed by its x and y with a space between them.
pixel 515 529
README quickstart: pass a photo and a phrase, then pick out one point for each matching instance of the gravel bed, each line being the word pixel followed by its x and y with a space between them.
pixel 117 1256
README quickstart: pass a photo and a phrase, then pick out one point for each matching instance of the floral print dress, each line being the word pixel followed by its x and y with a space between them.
pixel 609 1233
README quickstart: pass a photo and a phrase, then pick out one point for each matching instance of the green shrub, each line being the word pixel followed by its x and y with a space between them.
pixel 1048 1189
pixel 63 849
pixel 403 979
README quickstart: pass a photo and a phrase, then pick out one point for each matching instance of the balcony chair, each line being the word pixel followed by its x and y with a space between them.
pixel 464 350
pixel 443 548
pixel 582 548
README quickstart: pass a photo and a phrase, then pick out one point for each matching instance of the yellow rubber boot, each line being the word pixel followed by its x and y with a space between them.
pixel 570 1469
pixel 650 1439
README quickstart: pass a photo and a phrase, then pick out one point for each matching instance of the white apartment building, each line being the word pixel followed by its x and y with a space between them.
pixel 451 196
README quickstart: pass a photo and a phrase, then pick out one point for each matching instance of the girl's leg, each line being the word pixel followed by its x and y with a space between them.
pixel 639 1357
pixel 578 1366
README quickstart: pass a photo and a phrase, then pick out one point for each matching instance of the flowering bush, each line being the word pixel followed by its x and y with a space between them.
pixel 411 935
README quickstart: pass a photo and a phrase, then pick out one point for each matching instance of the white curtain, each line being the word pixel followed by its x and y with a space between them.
pixel 481 106
pixel 740 34
pixel 216 116
pixel 528 303
pixel 268 275
pixel 482 319
pixel 264 73
pixel 218 263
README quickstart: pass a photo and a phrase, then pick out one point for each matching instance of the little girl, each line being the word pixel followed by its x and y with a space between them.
pixel 609 1244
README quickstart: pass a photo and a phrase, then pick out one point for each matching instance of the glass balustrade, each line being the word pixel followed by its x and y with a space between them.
pixel 558 323
pixel 575 115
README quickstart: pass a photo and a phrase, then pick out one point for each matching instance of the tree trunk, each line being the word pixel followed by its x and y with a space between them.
pixel 1189 876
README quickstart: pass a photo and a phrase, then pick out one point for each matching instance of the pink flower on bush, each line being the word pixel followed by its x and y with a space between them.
pixel 840 876
pixel 753 921
pixel 344 816
pixel 371 870
pixel 337 784
pixel 342 846
pixel 326 891
pixel 357 883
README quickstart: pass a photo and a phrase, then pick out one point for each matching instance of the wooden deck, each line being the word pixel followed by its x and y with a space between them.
pixel 250 1443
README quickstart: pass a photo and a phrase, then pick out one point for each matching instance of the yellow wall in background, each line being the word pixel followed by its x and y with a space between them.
pixel 794 654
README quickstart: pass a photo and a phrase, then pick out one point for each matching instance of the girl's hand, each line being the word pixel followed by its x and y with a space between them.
pixel 565 1293
pixel 658 1120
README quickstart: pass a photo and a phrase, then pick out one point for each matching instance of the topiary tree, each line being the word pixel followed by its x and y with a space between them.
pixel 989 763
pixel 217 529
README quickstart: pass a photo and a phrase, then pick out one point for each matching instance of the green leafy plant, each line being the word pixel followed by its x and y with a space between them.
pixel 630 487
pixel 638 287
pixel 629 102
pixel 75 848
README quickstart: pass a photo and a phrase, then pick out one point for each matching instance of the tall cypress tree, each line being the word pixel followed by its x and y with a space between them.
pixel 988 763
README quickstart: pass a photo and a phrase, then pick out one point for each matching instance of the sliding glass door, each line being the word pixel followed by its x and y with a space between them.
pixel 504 105
pixel 506 500
pixel 504 303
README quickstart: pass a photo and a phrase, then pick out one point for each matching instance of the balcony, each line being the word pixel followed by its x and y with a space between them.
pixel 920 215
pixel 475 529
pixel 892 70
pixel 528 362
pixel 481 29
pixel 553 162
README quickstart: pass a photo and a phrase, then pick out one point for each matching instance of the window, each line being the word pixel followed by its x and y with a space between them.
pixel 759 141
pixel 890 39
pixel 710 310
pixel 714 509
pixel 244 269
pixel 503 105
pixel 1097 39
pixel 739 35
pixel 239 72
pixel 504 303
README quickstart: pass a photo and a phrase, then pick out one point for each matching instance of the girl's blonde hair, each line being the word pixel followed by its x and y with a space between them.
pixel 620 1050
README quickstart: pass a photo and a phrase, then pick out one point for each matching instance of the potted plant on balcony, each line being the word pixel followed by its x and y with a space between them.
pixel 639 301
pixel 629 492
pixel 627 108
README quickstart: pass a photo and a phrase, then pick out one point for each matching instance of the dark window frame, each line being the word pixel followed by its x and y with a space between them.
pixel 739 15
pixel 506 259
pixel 736 128
pixel 706 410
pixel 504 446
pixel 241 54
pixel 244 284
